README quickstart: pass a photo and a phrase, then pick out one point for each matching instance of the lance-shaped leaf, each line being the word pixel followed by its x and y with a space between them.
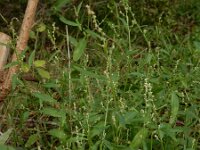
pixel 139 138
pixel 79 50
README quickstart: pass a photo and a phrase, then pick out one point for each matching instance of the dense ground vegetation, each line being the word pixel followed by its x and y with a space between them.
pixel 105 75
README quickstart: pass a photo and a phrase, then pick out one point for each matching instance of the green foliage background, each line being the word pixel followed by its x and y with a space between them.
pixel 105 75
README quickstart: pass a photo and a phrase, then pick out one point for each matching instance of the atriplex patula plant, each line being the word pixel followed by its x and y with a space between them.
pixel 112 78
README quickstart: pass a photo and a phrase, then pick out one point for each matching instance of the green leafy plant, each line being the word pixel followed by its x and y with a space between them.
pixel 110 75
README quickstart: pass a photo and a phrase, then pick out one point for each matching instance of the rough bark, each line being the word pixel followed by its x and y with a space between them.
pixel 4 53
pixel 21 45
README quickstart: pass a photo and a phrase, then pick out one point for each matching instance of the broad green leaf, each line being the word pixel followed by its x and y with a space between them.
pixel 68 22
pixel 108 144
pixel 25 68
pixel 136 74
pixel 31 58
pixel 58 133
pixel 130 117
pixel 53 56
pixel 76 139
pixel 32 35
pixel 25 116
pixel 5 147
pixel 60 3
pixel 93 34
pixel 43 73
pixel 14 63
pixel 73 41
pixel 174 108
pixel 4 137
pixel 124 22
pixel 165 52
pixel 53 112
pixel 95 117
pixel 79 50
pixel 165 129
pixel 44 97
pixel 96 145
pixel 51 85
pixel 197 45
pixel 41 27
pixel 97 129
pixel 31 140
pixel 60 147
pixel 139 138
pixel 39 63
pixel 89 73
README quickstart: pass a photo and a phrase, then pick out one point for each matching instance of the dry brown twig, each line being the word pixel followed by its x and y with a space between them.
pixel 21 45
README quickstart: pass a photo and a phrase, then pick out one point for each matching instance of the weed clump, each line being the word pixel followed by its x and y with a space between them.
pixel 109 75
